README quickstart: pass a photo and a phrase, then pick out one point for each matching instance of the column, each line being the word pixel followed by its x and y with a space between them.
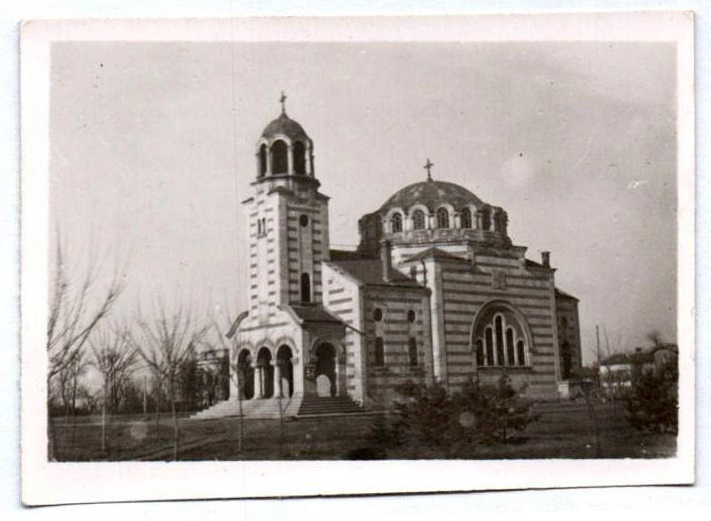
pixel 290 158
pixel 259 382
pixel 277 380
pixel 269 160
pixel 478 219
pixel 494 224
pixel 309 159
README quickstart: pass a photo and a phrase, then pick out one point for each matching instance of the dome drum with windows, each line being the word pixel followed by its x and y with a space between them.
pixel 435 212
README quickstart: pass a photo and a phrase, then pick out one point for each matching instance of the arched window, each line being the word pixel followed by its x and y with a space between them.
pixel 499 337
pixel 479 346
pixel 486 219
pixel 521 352
pixel 566 362
pixel 499 324
pixel 411 316
pixel 280 163
pixel 305 287
pixel 396 223
pixel 299 158
pixel 418 220
pixel 379 352
pixel 262 160
pixel 510 347
pixel 442 218
pixel 466 218
pixel 489 346
pixel 412 352
pixel 377 314
pixel 563 333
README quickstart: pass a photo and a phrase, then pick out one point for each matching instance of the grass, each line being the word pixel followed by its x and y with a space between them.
pixel 563 431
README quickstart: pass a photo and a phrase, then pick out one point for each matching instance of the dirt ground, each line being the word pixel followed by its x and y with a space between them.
pixel 564 430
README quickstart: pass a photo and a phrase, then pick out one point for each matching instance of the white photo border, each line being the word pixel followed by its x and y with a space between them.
pixel 56 483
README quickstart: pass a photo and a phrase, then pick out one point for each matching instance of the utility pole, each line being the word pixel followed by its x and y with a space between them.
pixel 599 365
pixel 145 394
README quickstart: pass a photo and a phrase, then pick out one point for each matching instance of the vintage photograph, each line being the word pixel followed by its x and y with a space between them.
pixel 374 249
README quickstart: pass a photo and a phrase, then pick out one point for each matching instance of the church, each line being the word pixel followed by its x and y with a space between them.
pixel 435 291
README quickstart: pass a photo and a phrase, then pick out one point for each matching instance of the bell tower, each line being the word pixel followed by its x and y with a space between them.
pixel 288 221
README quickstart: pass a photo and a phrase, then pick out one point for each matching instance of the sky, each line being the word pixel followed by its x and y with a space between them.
pixel 152 152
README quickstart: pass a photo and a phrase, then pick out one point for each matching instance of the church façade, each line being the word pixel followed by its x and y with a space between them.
pixel 436 291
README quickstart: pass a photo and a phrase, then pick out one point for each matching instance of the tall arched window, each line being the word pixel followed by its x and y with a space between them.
pixel 442 218
pixel 396 223
pixel 379 352
pixel 489 346
pixel 567 360
pixel 479 346
pixel 466 218
pixel 499 336
pixel 486 219
pixel 510 347
pixel 418 220
pixel 262 160
pixel 412 352
pixel 299 158
pixel 280 163
pixel 521 352
pixel 305 287
pixel 499 323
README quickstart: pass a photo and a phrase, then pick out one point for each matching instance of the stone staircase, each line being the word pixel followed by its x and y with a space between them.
pixel 264 408
pixel 313 405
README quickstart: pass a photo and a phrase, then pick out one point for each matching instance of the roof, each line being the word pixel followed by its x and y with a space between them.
pixel 432 194
pixel 314 313
pixel 562 294
pixel 617 359
pixel 628 358
pixel 533 264
pixel 286 126
pixel 434 253
pixel 370 272
pixel 341 255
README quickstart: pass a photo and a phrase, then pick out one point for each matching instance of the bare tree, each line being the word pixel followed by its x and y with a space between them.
pixel 164 344
pixel 77 305
pixel 237 372
pixel 115 359
pixel 75 312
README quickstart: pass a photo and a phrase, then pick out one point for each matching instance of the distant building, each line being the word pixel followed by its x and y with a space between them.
pixel 620 370
pixel 436 290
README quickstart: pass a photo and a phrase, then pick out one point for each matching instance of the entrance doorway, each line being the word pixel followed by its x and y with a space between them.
pixel 245 375
pixel 326 370
pixel 286 372
pixel 266 373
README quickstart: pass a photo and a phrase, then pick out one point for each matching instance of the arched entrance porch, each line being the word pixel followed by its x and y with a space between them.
pixel 285 372
pixel 326 370
pixel 265 373
pixel 245 375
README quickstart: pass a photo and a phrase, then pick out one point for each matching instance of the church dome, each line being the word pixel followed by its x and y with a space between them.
pixel 285 126
pixel 432 194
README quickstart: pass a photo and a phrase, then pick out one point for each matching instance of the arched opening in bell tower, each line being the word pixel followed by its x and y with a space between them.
pixel 299 158
pixel 280 161
pixel 262 160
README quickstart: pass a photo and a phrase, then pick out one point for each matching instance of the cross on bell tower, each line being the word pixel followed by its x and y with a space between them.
pixel 282 100
pixel 428 166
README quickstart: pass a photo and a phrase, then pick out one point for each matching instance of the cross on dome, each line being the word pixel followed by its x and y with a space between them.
pixel 282 100
pixel 428 166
